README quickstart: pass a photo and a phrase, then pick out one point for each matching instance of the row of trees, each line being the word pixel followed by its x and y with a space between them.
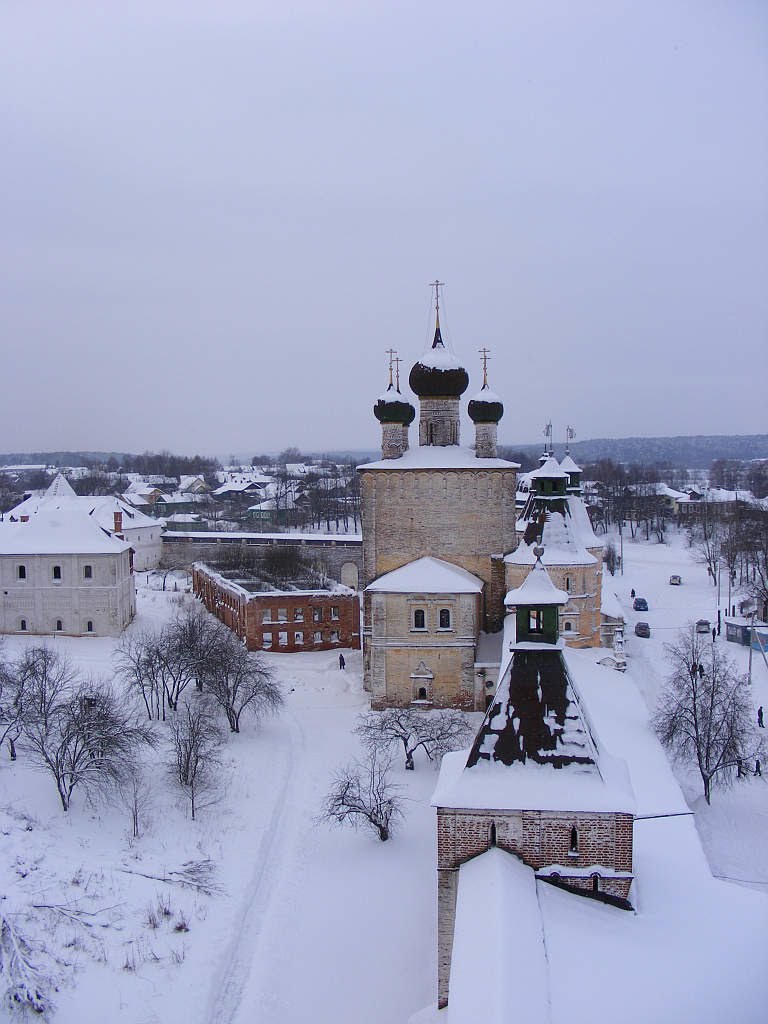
pixel 89 737
pixel 734 548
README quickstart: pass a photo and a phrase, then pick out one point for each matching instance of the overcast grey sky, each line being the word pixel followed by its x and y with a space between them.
pixel 217 216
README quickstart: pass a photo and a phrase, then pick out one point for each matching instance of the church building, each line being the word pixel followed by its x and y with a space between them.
pixel 437 520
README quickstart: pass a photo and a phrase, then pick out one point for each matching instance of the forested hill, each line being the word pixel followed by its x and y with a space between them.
pixel 697 452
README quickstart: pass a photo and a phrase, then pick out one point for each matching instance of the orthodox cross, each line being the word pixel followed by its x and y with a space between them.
pixel 484 353
pixel 397 360
pixel 437 285
pixel 548 435
pixel 391 352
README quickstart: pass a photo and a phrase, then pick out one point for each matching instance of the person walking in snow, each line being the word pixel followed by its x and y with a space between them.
pixel 714 634
pixel 757 767
pixel 342 663
pixel 701 671
pixel 760 717
pixel 632 593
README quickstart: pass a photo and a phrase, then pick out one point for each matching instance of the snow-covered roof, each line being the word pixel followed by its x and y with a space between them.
pixel 100 507
pixel 450 456
pixel 486 395
pixel 609 604
pixel 440 358
pixel 561 538
pixel 549 469
pixel 58 532
pixel 427 576
pixel 569 466
pixel 537 589
pixel 60 487
pixel 498 935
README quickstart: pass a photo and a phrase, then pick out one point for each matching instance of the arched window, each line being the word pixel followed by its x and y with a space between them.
pixel 89 626
pixel 57 572
pixel 445 618
pixel 574 846
pixel 419 619
pixel 21 572
pixel 568 584
pixel 493 833
pixel 595 883
pixel 422 693
pixel 59 625
pixel 23 626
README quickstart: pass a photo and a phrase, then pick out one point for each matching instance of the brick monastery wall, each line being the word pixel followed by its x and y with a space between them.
pixel 540 839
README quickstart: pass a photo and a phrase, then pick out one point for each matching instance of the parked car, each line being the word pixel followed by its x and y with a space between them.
pixel 675 580
pixel 642 629
pixel 703 626
pixel 640 604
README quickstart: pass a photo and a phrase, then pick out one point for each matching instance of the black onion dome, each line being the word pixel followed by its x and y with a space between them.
pixel 485 406
pixel 438 374
pixel 391 407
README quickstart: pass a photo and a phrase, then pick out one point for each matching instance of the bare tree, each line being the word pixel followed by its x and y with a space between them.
pixel 85 737
pixel 195 744
pixel 363 796
pixel 610 557
pixel 436 732
pixel 11 705
pixel 704 713
pixel 136 792
pixel 239 682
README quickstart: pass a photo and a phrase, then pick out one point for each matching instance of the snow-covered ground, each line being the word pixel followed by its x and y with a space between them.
pixel 312 924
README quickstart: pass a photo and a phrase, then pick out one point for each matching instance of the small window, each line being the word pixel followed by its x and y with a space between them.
pixel 595 883
pixel 334 611
pixel 535 623
pixel 419 619
pixel 89 626
pixel 298 614
pixel 59 625
pixel 445 618
pixel 317 614
pixel 87 572
pixel 282 638
pixel 23 626
pixel 422 693
pixel 317 637
pixel 266 639
pixel 282 614
pixel 574 844
pixel 298 637
pixel 568 627
pixel 57 572
pixel 568 584
pixel 21 572
pixel 493 833
pixel 334 636
pixel 266 615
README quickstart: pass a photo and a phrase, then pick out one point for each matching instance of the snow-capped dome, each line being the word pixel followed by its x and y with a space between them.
pixel 485 406
pixel 438 372
pixel 391 407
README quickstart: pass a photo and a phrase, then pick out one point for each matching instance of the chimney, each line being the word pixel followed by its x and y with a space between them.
pixel 24 519
pixel 119 521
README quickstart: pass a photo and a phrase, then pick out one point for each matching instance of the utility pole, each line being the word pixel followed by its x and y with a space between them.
pixel 751 633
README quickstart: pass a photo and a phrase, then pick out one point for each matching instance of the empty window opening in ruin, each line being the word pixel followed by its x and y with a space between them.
pixel 574 846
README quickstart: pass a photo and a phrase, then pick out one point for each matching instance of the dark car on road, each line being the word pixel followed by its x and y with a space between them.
pixel 640 604
pixel 642 629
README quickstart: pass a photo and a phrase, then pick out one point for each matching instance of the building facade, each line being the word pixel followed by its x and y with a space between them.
pixel 285 621
pixel 60 573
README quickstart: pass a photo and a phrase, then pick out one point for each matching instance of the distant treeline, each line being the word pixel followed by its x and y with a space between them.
pixel 696 452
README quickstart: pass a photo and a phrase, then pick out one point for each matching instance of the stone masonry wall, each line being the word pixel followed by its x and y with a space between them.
pixel 540 839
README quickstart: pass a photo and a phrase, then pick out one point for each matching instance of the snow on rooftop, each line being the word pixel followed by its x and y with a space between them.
pixel 549 469
pixel 609 604
pixel 537 589
pixel 440 358
pixel 102 508
pixel 450 456
pixel 427 576
pixel 60 487
pixel 54 532
pixel 569 466
pixel 486 395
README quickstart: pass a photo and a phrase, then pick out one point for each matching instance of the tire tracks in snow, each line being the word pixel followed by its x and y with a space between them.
pixel 229 981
